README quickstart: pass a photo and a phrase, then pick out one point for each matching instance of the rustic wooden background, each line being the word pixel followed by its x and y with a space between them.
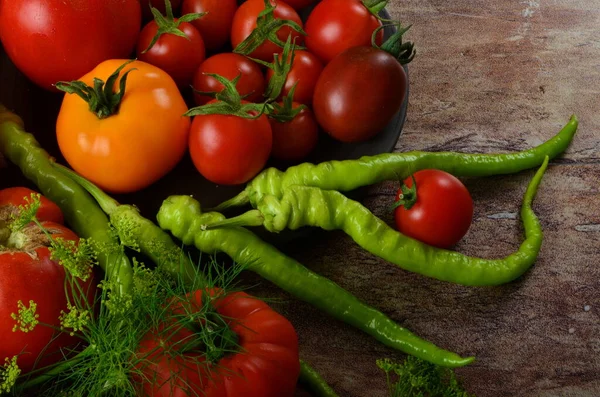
pixel 490 76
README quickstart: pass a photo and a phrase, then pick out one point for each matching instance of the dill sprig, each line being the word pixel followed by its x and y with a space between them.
pixel 25 213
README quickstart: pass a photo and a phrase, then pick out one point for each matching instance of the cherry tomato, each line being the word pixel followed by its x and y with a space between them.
pixel 215 25
pixel 13 197
pixel 230 65
pixel 135 147
pixel 57 40
pixel 442 212
pixel 336 25
pixel 300 4
pixel 294 140
pixel 159 5
pixel 176 55
pixel 230 150
pixel 304 73
pixel 244 22
pixel 358 93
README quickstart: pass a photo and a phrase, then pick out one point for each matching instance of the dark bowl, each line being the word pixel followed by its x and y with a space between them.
pixel 39 109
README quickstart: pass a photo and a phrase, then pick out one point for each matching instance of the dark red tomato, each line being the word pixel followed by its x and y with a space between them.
pixel 230 150
pixel 442 212
pixel 244 22
pixel 176 55
pixel 230 65
pixel 299 4
pixel 57 40
pixel 305 72
pixel 159 5
pixel 294 140
pixel 215 26
pixel 336 25
pixel 358 93
pixel 13 197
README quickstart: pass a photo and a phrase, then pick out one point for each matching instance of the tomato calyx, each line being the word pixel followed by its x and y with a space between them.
pixel 375 6
pixel 285 111
pixel 407 196
pixel 168 24
pixel 267 27
pixel 281 66
pixel 228 101
pixel 101 98
pixel 404 52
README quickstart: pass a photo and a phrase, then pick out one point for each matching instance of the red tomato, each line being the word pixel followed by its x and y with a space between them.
pixel 358 93
pixel 336 25
pixel 265 362
pixel 443 210
pixel 159 5
pixel 299 4
pixel 305 72
pixel 28 274
pixel 13 197
pixel 215 26
pixel 230 65
pixel 230 150
pixel 244 22
pixel 294 140
pixel 178 56
pixel 57 40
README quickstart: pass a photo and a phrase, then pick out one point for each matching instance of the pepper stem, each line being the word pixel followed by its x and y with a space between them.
pixel 250 218
pixel 101 98
pixel 240 199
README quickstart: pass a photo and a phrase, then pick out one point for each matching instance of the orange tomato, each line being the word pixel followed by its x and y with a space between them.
pixel 134 147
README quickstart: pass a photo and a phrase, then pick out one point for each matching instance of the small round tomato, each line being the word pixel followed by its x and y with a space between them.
pixel 230 150
pixel 57 40
pixel 304 73
pixel 440 214
pixel 336 25
pixel 300 4
pixel 229 65
pixel 13 197
pixel 358 93
pixel 215 25
pixel 134 147
pixel 176 55
pixel 244 22
pixel 159 5
pixel 294 140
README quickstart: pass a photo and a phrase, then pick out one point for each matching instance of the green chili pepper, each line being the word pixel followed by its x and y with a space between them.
pixel 308 206
pixel 183 217
pixel 140 233
pixel 81 212
pixel 313 382
pixel 348 175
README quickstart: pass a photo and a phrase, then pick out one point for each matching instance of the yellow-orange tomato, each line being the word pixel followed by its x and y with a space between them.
pixel 137 145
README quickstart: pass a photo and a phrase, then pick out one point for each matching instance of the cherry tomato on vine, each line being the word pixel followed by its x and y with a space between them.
pixel 58 40
pixel 358 93
pixel 304 74
pixel 440 214
pixel 215 25
pixel 229 65
pixel 244 22
pixel 295 139
pixel 229 149
pixel 336 25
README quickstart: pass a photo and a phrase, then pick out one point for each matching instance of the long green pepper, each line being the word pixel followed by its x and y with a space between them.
pixel 182 216
pixel 308 206
pixel 81 212
pixel 347 175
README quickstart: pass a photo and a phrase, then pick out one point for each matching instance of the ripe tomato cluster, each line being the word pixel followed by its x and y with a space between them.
pixel 264 81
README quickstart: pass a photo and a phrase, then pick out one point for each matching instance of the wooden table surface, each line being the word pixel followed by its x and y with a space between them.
pixel 488 77
pixel 494 76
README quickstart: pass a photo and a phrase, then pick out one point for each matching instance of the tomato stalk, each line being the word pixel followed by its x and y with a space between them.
pixel 267 27
pixel 375 6
pixel 408 195
pixel 101 98
pixel 168 25
pixel 285 111
pixel 281 66
pixel 404 52
pixel 228 101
